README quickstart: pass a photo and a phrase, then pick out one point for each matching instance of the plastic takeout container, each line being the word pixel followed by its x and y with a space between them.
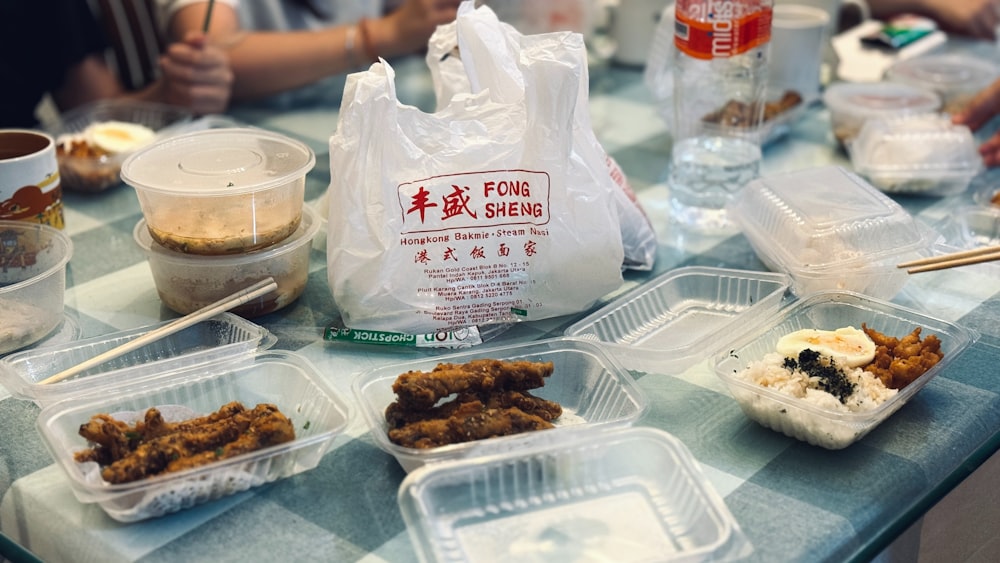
pixel 188 282
pixel 853 103
pixel 33 260
pixel 830 310
pixel 88 168
pixel 829 229
pixel 925 154
pixel 283 379
pixel 221 191
pixel 594 390
pixel 627 495
pixel 987 195
pixel 956 78
pixel 220 337
pixel 967 228
pixel 682 316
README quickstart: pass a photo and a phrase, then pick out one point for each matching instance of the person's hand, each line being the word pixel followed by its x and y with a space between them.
pixel 409 27
pixel 974 18
pixel 196 75
pixel 983 107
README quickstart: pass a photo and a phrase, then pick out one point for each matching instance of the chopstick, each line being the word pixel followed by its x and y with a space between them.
pixel 208 16
pixel 962 258
pixel 261 288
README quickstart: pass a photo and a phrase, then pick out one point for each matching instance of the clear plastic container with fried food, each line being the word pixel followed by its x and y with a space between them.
pixel 139 487
pixel 811 421
pixel 591 390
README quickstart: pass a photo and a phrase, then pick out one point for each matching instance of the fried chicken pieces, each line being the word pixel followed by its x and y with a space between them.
pixel 899 361
pixel 463 402
pixel 153 446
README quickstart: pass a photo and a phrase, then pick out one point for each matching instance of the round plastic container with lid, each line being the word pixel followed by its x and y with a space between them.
pixel 221 191
pixel 853 103
pixel 187 282
pixel 955 78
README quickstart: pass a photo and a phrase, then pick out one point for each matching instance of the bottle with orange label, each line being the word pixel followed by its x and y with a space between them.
pixel 720 75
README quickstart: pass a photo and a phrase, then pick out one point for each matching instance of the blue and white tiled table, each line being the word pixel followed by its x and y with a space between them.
pixel 794 501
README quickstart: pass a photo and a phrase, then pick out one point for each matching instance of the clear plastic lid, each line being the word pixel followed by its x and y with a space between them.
pixel 945 73
pixel 824 217
pixel 228 161
pixel 918 153
pixel 879 99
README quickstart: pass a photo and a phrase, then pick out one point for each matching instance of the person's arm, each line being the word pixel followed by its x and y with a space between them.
pixel 87 81
pixel 267 63
pixel 974 18
pixel 980 111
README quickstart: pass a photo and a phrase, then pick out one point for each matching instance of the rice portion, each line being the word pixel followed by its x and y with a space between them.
pixel 869 392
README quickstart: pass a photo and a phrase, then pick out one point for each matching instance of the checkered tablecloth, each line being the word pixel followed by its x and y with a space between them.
pixel 794 501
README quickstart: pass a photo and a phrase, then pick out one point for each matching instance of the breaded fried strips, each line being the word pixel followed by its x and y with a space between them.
pixel 491 399
pixel 472 421
pixel 154 446
pixel 421 390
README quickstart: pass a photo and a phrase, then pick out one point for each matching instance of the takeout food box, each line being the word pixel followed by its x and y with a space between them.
pixel 923 154
pixel 956 78
pixel 594 390
pixel 84 164
pixel 633 494
pixel 829 229
pixel 221 191
pixel 283 379
pixel 830 310
pixel 224 336
pixel 33 259
pixel 682 316
pixel 188 282
pixel 851 104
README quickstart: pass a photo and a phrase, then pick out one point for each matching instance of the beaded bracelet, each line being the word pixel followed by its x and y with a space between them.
pixel 350 39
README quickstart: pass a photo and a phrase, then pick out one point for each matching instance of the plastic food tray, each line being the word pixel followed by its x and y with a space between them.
pixel 625 495
pixel 594 390
pixel 225 336
pixel 682 316
pixel 828 311
pixel 829 229
pixel 281 378
pixel 967 228
pixel 925 155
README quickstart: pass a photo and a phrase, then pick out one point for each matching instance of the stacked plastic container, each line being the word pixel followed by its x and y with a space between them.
pixel 223 209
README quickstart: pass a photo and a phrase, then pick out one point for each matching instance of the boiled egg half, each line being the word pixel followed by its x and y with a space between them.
pixel 848 346
pixel 118 136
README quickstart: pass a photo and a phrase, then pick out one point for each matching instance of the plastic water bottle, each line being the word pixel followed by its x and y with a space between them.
pixel 720 79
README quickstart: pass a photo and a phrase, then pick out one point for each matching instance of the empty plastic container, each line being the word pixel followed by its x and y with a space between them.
pixel 682 316
pixel 628 495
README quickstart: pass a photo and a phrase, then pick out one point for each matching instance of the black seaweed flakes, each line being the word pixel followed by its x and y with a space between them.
pixel 831 378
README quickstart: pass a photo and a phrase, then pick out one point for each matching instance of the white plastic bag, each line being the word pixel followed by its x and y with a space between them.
pixel 480 53
pixel 467 216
